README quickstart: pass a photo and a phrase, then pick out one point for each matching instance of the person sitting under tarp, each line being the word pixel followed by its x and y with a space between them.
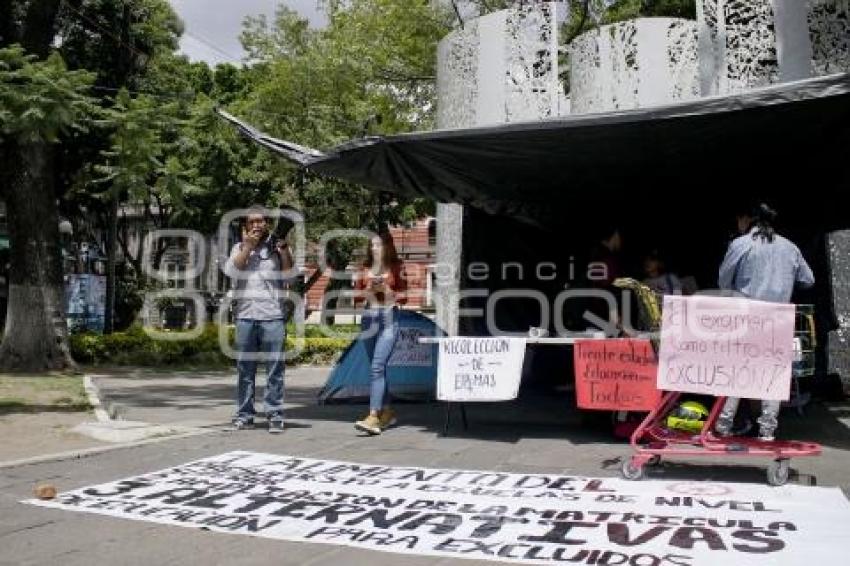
pixel 605 265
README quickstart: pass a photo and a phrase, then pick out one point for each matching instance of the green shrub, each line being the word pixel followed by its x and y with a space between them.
pixel 318 351
pixel 135 347
pixel 315 331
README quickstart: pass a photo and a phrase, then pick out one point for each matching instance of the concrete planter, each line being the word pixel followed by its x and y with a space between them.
pixel 500 68
pixel 634 64
pixel 746 44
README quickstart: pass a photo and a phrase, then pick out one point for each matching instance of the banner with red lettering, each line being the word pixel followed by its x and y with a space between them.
pixel 616 375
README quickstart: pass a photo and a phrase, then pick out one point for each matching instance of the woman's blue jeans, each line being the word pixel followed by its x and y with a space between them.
pixel 380 330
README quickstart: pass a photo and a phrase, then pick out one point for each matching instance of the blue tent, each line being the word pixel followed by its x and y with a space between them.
pixel 411 372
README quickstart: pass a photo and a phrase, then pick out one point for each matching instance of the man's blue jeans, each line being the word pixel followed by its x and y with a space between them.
pixel 259 340
pixel 380 327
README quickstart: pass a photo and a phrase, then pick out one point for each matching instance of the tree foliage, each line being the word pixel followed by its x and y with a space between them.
pixel 370 71
pixel 585 15
pixel 41 100
pixel 126 117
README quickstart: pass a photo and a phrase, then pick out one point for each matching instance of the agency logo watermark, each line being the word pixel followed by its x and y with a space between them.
pixel 603 308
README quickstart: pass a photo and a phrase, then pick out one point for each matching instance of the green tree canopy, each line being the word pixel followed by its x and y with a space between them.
pixel 371 70
pixel 41 100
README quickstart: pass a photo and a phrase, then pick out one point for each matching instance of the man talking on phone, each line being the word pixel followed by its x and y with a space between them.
pixel 256 265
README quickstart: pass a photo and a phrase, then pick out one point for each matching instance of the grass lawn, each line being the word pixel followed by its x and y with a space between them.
pixel 42 393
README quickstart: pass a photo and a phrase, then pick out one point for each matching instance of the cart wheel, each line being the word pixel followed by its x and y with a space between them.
pixel 778 472
pixel 654 461
pixel 630 471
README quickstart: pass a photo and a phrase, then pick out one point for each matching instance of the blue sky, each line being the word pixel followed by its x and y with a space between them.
pixel 213 26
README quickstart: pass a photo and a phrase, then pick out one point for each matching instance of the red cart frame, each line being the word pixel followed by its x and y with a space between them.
pixel 652 440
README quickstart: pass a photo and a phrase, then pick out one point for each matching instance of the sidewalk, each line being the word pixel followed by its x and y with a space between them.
pixel 191 398
pixel 31 435
pixel 38 414
pixel 537 434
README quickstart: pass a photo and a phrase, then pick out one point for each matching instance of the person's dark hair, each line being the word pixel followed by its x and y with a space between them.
pixel 390 253
pixel 255 209
pixel 603 229
pixel 764 220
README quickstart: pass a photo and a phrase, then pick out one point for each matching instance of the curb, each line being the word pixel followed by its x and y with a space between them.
pixel 86 452
pixel 93 394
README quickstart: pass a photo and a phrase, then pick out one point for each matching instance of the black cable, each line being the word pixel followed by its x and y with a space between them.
pixel 457 13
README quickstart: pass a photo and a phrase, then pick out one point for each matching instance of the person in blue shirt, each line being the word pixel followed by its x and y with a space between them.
pixel 761 265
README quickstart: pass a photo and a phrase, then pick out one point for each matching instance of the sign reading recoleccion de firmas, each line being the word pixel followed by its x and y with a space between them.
pixel 473 369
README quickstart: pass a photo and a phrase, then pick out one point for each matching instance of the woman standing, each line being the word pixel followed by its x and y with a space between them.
pixel 381 284
pixel 761 265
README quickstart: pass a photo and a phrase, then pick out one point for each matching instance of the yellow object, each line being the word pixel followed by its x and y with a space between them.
pixel 648 301
pixel 690 416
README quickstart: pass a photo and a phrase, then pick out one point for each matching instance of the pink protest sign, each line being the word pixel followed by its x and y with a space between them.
pixel 726 347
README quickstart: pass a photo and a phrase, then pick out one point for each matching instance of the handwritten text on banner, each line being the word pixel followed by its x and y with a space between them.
pixel 479 369
pixel 489 516
pixel 726 347
pixel 616 375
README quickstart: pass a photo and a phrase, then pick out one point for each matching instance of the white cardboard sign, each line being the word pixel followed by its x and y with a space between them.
pixel 471 369
pixel 726 347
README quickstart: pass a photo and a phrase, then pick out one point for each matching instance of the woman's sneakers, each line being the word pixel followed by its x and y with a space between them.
pixel 387 418
pixel 375 425
pixel 370 425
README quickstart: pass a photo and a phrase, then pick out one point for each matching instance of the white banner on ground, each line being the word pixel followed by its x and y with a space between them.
pixel 726 347
pixel 407 350
pixel 479 369
pixel 495 516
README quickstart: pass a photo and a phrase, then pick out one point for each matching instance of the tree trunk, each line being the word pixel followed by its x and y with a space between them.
pixel 134 258
pixel 8 30
pixel 111 248
pixel 40 27
pixel 36 337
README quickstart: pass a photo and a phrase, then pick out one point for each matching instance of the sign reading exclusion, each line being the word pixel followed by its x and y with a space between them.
pixel 727 347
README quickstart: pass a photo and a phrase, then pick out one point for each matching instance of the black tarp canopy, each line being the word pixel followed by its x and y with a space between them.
pixel 755 142
pixel 670 177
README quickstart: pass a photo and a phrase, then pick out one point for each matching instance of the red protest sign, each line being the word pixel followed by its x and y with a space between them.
pixel 616 375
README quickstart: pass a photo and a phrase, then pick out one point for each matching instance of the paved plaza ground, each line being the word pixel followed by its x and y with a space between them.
pixel 539 433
